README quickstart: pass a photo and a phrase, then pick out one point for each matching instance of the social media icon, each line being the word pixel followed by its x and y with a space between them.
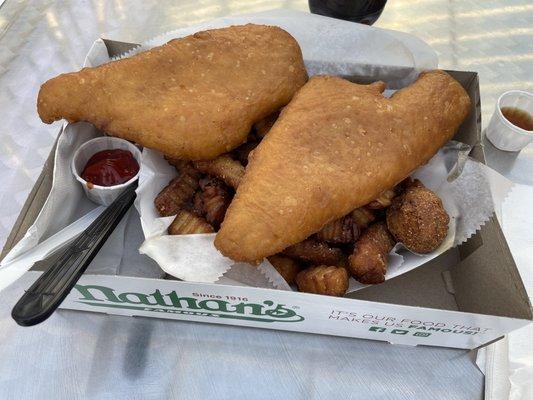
pixel 399 332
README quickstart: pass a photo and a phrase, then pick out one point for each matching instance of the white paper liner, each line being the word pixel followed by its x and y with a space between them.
pixel 190 257
pixel 265 275
pixel 463 184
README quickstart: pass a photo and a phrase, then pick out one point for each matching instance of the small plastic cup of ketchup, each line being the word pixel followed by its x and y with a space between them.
pixel 105 166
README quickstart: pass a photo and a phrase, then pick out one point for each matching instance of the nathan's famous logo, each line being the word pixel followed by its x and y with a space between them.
pixel 267 311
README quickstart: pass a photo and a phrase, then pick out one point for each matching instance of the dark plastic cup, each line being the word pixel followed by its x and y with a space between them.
pixel 362 11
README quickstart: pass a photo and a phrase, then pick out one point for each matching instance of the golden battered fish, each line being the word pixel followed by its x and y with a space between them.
pixel 336 147
pixel 192 98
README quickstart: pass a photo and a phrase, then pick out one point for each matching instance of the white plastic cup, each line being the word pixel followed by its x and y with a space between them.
pixel 502 133
pixel 103 195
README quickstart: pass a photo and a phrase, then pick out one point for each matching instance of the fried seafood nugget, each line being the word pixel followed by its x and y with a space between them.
pixel 263 126
pixel 223 167
pixel 418 219
pixel 187 223
pixel 194 97
pixel 368 263
pixel 213 200
pixel 287 267
pixel 177 193
pixel 315 252
pixel 323 279
pixel 198 204
pixel 338 232
pixel 382 201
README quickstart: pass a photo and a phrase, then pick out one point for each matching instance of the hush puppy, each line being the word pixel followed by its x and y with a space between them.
pixel 418 219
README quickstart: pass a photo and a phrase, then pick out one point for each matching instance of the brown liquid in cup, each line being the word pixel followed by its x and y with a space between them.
pixel 518 117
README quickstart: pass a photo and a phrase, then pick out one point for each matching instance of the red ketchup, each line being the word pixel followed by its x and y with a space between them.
pixel 110 167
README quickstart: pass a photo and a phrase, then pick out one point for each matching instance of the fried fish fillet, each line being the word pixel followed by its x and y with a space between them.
pixel 192 98
pixel 337 146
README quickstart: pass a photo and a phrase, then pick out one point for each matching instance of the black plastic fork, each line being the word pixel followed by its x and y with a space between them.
pixel 50 289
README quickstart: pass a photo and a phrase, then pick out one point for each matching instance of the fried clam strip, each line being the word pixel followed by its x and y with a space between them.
pixel 223 167
pixel 180 190
pixel 287 267
pixel 368 263
pixel 322 279
pixel 315 252
pixel 338 232
pixel 212 200
pixel 361 218
pixel 383 201
pixel 349 227
pixel 187 223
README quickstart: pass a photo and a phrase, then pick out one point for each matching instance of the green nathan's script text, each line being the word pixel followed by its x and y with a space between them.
pixel 267 311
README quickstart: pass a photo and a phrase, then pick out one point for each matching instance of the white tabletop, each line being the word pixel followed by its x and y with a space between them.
pixel 80 355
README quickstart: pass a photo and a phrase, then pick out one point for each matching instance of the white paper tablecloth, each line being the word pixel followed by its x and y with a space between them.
pixel 39 39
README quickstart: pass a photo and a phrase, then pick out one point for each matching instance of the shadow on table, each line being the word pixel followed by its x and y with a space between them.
pixel 516 166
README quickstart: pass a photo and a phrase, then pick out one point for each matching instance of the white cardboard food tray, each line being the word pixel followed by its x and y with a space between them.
pixel 466 298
